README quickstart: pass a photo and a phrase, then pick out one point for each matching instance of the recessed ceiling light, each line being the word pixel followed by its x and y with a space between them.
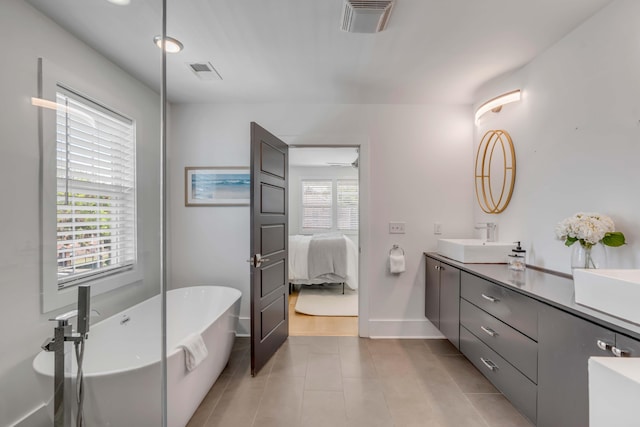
pixel 171 45
pixel 120 2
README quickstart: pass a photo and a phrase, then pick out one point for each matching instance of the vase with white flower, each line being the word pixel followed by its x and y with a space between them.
pixel 589 229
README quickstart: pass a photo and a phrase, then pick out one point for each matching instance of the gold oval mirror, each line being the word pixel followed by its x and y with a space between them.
pixel 495 172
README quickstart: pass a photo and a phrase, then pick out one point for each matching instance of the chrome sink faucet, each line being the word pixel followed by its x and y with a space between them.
pixel 491 230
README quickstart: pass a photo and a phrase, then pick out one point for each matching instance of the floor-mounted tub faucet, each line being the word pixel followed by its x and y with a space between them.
pixel 491 230
pixel 62 334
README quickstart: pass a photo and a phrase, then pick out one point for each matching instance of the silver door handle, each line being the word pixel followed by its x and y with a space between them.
pixel 437 267
pixel 490 298
pixel 604 345
pixel 489 331
pixel 489 364
pixel 619 353
pixel 257 260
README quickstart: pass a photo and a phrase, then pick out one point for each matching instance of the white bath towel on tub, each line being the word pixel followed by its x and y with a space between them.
pixel 195 351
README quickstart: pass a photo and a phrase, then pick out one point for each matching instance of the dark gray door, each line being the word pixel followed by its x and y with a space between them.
pixel 565 343
pixel 269 241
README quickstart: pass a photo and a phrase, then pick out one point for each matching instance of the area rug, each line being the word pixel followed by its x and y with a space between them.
pixel 327 301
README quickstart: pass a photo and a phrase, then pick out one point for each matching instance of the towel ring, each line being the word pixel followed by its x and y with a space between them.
pixel 394 248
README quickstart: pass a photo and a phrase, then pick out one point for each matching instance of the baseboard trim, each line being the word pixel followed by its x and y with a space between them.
pixel 36 418
pixel 403 328
pixel 244 327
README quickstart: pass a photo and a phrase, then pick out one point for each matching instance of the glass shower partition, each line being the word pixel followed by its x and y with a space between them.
pixel 82 223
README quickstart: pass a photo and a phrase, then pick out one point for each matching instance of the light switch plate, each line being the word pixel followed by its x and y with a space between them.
pixel 396 227
pixel 437 228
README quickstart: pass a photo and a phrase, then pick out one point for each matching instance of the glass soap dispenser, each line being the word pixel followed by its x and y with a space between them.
pixel 517 258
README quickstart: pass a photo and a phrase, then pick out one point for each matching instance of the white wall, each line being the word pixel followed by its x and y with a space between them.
pixel 298 173
pixel 25 327
pixel 577 137
pixel 416 166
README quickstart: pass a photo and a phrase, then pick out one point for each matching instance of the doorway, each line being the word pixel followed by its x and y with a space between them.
pixel 324 240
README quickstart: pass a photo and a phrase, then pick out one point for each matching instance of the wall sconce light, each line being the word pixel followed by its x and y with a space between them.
pixel 171 45
pixel 495 104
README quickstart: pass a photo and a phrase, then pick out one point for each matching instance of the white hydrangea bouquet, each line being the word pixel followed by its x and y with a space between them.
pixel 589 229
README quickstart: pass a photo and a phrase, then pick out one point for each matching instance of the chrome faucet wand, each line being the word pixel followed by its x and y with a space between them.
pixel 63 333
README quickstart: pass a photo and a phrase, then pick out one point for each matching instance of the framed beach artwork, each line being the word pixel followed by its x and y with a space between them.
pixel 217 186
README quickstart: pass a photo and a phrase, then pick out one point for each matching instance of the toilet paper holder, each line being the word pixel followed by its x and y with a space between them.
pixel 396 248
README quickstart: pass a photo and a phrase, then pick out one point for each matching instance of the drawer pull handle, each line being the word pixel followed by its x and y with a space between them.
pixel 437 267
pixel 604 345
pixel 619 353
pixel 489 364
pixel 490 298
pixel 489 331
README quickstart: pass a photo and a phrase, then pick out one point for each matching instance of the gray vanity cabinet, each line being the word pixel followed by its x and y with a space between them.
pixel 498 332
pixel 432 292
pixel 442 299
pixel 565 343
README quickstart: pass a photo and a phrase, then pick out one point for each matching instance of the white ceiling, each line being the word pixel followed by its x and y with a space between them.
pixel 433 51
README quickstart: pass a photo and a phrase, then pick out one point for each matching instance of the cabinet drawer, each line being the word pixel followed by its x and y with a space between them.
pixel 520 391
pixel 516 310
pixel 518 349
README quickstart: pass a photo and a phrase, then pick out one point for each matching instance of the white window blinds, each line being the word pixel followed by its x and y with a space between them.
pixel 347 190
pixel 96 194
pixel 317 198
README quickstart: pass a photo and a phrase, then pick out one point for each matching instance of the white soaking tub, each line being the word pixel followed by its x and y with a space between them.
pixel 122 372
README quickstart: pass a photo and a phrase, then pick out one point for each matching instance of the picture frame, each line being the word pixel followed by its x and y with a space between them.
pixel 217 186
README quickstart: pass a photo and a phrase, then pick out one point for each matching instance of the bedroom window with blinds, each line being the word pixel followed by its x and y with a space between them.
pixel 330 205
pixel 317 204
pixel 347 192
pixel 96 190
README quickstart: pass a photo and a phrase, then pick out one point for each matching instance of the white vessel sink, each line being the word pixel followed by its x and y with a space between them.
pixel 615 292
pixel 474 250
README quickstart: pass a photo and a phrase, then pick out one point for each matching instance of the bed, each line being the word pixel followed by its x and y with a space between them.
pixel 323 258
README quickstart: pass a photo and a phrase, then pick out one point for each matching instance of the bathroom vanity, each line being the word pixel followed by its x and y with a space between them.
pixel 525 333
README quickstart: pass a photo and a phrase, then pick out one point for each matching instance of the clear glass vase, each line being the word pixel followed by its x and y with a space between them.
pixel 584 257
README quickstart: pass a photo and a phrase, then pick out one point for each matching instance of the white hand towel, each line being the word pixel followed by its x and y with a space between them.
pixel 195 351
pixel 396 263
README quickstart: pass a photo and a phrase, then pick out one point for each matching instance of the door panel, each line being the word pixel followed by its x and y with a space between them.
pixel 273 238
pixel 269 230
pixel 272 317
pixel 274 161
pixel 273 276
pixel 432 292
pixel 272 199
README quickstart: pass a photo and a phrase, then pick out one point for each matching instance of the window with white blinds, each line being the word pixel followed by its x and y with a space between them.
pixel 96 190
pixel 330 204
pixel 347 213
pixel 317 204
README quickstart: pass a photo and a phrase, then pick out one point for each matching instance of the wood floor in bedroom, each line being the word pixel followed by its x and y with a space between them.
pixel 355 382
pixel 304 325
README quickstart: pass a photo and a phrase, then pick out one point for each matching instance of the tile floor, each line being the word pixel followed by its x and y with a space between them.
pixel 351 381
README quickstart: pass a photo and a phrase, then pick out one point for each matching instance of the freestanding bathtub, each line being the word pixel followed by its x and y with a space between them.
pixel 122 372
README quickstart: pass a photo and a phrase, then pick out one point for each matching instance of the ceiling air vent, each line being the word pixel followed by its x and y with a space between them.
pixel 365 16
pixel 205 71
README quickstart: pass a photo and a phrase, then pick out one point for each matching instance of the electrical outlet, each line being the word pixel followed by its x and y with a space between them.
pixel 396 227
pixel 437 228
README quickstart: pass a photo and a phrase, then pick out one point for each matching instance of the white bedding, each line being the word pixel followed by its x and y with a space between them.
pixel 299 263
